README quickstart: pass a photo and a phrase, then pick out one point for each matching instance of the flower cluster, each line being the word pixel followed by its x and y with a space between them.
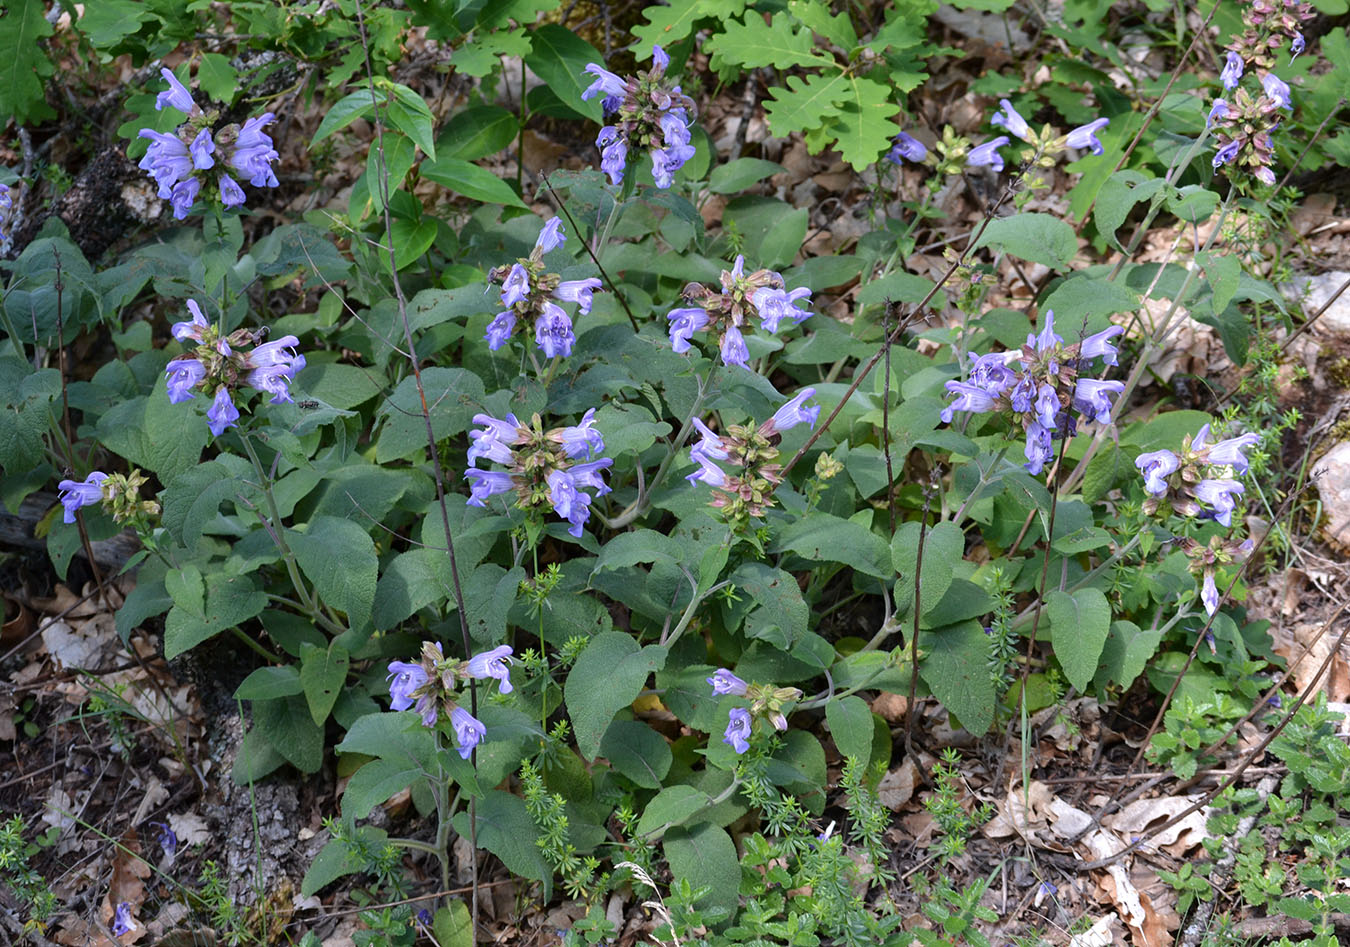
pixel 1206 558
pixel 529 295
pixel 193 156
pixel 766 703
pixel 642 111
pixel 1044 390
pixel 953 153
pixel 1198 480
pixel 216 362
pixel 761 295
pixel 429 686
pixel 753 451
pixel 1243 124
pixel 119 494
pixel 542 466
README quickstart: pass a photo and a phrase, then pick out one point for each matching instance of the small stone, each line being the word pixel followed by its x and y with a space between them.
pixel 1314 291
pixel 1332 476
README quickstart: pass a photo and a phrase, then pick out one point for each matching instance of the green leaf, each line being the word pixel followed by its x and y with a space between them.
pixel 806 102
pixel 1117 197
pixel 376 782
pixel 338 556
pixel 412 238
pixel 410 114
pixel 458 175
pixel 1039 238
pixel 1079 624
pixel 1224 272
pixel 822 537
pixel 956 670
pixel 835 28
pixel 668 25
pixel 671 806
pixel 286 724
pixel 862 128
pixel 270 682
pixel 323 671
pixel 638 752
pixel 228 601
pixel 453 926
pixel 109 22
pixel 943 546
pixel 752 43
pixel 217 77
pixel 642 545
pixel 454 396
pixel 506 830
pixel 477 132
pixel 560 57
pixel 896 287
pixel 782 243
pixel 346 110
pixel 738 174
pixel 705 856
pixel 607 677
pixel 23 63
pixel 1081 296
pixel 851 726
pixel 780 615
pixel 1126 653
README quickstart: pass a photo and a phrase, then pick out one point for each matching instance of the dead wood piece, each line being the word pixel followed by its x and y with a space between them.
pixel 16 532
pixel 95 209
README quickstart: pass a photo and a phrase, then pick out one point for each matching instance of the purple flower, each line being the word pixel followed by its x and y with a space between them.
pixel 568 502
pixel 587 476
pixel 708 472
pixel 551 237
pixel 75 494
pixel 499 329
pixel 1048 338
pixel 469 731
pixel 676 151
pixel 1218 111
pixel 1085 136
pixel 908 148
pixel 709 446
pixel 201 149
pixel 1022 395
pixel 1014 123
pixel 1157 466
pixel 1265 176
pixel 181 376
pixel 493 443
pixel 578 291
pixel 968 398
pixel 166 159
pixel 176 94
pixel 553 332
pixel 724 682
pixel 733 348
pixel 404 678
pixel 987 154
pixel 791 414
pixel 222 414
pixel 1209 593
pixel 775 305
pixel 1297 46
pixel 424 917
pixel 253 152
pixel 168 841
pixel 273 365
pixel 1229 452
pixel 231 194
pixel 1100 344
pixel 605 81
pixel 122 922
pixel 1047 405
pixel 991 373
pixel 505 431
pixel 1040 449
pixel 486 483
pixel 1226 154
pixel 660 59
pixel 183 196
pixel 1092 397
pixel 492 664
pixel 1219 496
pixel 1277 90
pixel 613 153
pixel 1232 71
pixel 683 324
pixel 738 730
pixel 582 439
pixel 516 286
pixel 182 331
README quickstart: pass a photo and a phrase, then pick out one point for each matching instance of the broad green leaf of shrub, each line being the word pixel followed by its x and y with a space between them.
pixel 1126 653
pixel 850 722
pixel 704 855
pixel 560 57
pixel 1082 297
pixel 477 132
pixel 338 556
pixel 780 615
pixel 944 545
pixel 1079 624
pixel 862 127
pixel 458 175
pixel 822 537
pixel 805 102
pixel 607 677
pixel 322 674
pixel 206 606
pixel 1039 238
pixel 454 396
pixel 267 683
pixel 23 63
pixel 738 174
pixel 506 830
pixel 638 752
pixel 669 807
pixel 667 25
pixel 955 669
pixel 752 43
pixel 285 723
